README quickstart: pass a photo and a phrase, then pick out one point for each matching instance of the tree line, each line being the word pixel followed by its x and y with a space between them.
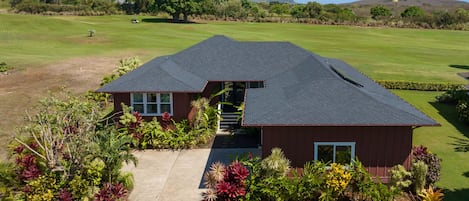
pixel 247 10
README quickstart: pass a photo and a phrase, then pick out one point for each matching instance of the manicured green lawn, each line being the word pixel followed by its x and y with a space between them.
pixel 28 41
pixel 381 53
pixel 443 141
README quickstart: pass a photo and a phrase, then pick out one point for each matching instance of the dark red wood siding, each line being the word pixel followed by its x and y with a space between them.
pixel 182 105
pixel 120 98
pixel 378 148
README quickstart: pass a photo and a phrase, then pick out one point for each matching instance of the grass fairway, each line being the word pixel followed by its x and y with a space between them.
pixel 381 53
pixel 444 141
pixel 51 51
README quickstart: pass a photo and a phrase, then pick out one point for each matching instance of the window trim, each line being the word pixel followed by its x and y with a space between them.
pixel 335 144
pixel 158 103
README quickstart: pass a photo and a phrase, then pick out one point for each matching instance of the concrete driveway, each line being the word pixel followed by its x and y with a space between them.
pixel 165 175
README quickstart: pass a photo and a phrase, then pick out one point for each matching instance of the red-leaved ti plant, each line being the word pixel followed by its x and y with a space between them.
pixel 166 121
pixel 230 186
pixel 111 192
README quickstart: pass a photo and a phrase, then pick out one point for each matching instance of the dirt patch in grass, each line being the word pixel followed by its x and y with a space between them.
pixel 20 90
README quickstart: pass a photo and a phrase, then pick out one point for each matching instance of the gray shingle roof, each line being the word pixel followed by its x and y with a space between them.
pixel 301 88
pixel 327 100
pixel 158 75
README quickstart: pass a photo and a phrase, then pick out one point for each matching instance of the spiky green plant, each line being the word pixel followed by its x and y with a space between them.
pixel 200 120
pixel 217 170
pixel 275 165
pixel 419 172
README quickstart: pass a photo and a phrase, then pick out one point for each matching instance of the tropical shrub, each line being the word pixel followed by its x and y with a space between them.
pixel 419 172
pixel 4 67
pixel 276 164
pixel 66 152
pixel 114 150
pixel 463 110
pixel 421 153
pixel 95 7
pixel 459 97
pixel 379 11
pixel 422 86
pixel 453 96
pixel 412 11
pixel 8 180
pixel 111 192
pixel 363 187
pixel 337 180
pixel 226 183
pixel 400 177
pixel 431 195
pixel 316 181
pixel 167 133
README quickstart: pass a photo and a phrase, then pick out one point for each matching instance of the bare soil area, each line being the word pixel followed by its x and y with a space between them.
pixel 20 90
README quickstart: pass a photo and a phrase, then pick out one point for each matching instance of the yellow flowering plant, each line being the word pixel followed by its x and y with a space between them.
pixel 338 179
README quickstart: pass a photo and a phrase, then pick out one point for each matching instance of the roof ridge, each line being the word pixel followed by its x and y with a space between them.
pixel 173 69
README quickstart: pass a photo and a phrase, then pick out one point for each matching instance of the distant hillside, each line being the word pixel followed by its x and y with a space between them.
pixel 438 3
pixel 280 1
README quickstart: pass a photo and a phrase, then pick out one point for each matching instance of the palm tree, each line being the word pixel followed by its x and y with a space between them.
pixel 114 150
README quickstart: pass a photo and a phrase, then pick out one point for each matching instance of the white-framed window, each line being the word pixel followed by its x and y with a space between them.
pixel 334 152
pixel 152 103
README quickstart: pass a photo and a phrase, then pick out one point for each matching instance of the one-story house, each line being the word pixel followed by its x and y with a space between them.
pixel 312 107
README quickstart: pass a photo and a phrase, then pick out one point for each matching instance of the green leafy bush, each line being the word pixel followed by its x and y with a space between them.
pixel 463 110
pixel 400 177
pixel 167 134
pixel 453 96
pixel 460 98
pixel 421 153
pixel 379 11
pixel 4 67
pixel 316 181
pixel 67 153
pixel 412 11
pixel 421 86
pixel 97 7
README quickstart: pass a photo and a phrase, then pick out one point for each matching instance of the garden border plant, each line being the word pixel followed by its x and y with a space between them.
pixel 167 133
pixel 67 152
pixel 272 179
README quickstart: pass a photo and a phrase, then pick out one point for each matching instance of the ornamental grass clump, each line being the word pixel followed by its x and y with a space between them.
pixel 276 164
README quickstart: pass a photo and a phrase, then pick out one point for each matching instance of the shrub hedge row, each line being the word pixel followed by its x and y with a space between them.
pixel 421 86
pixel 99 8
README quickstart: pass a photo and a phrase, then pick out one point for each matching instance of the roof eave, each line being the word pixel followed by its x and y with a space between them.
pixel 339 125
pixel 147 91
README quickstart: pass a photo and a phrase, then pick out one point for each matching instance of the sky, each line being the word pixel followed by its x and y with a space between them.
pixel 334 1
